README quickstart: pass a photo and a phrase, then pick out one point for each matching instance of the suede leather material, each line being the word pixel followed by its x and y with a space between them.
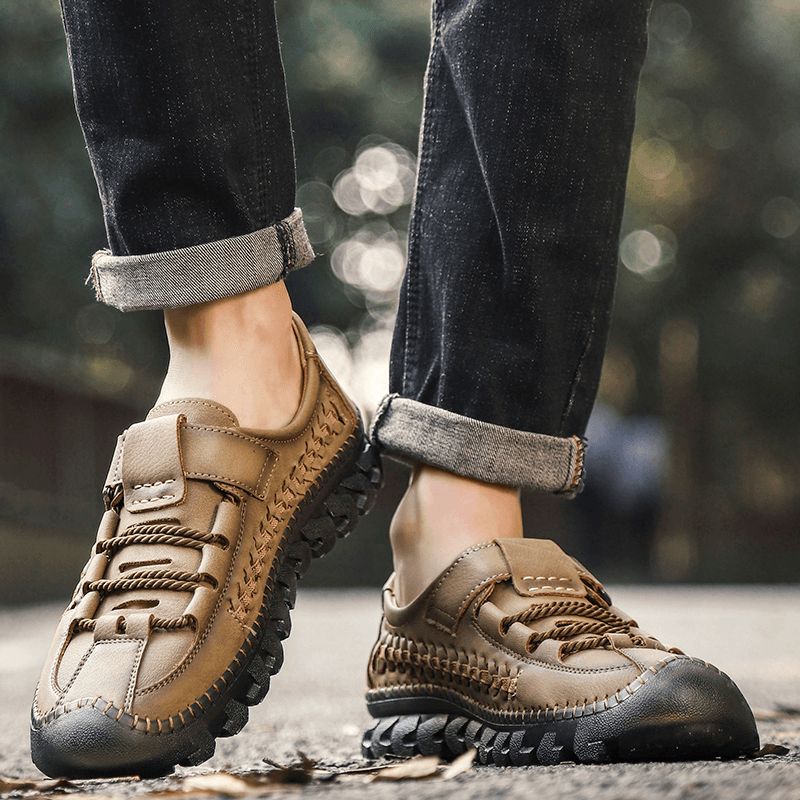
pixel 240 486
pixel 451 641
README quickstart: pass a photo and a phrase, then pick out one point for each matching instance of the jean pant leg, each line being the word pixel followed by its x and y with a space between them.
pixel 184 111
pixel 507 297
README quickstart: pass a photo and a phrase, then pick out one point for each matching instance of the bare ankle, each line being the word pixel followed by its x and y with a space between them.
pixel 239 351
pixel 442 514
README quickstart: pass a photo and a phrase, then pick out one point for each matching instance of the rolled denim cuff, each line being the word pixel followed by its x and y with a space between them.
pixel 203 272
pixel 416 432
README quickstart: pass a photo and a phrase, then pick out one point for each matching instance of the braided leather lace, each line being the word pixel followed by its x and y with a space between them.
pixel 159 579
pixel 596 622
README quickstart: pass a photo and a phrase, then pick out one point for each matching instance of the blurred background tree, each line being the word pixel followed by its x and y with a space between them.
pixel 693 459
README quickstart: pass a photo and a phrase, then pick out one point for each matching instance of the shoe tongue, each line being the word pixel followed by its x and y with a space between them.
pixel 197 411
pixel 540 568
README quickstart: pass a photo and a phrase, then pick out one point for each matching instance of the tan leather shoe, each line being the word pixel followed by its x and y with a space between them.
pixel 517 650
pixel 175 626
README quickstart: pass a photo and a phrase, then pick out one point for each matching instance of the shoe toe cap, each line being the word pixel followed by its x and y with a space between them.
pixel 91 742
pixel 684 709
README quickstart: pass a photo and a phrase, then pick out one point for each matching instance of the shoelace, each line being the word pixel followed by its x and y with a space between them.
pixel 160 579
pixel 596 619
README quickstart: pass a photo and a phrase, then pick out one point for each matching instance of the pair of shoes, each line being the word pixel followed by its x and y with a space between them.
pixel 176 624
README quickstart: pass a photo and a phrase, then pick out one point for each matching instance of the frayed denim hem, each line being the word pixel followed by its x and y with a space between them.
pixel 203 272
pixel 416 432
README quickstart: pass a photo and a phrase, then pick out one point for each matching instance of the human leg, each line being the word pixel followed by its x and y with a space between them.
pixel 506 302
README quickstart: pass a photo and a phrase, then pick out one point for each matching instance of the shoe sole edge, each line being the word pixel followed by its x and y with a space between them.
pixel 647 726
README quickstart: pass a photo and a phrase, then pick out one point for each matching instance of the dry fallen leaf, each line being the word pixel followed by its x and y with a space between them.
pixel 21 784
pixel 415 768
pixel 355 771
pixel 460 765
pixel 300 771
pixel 360 774
pixel 772 750
pixel 218 783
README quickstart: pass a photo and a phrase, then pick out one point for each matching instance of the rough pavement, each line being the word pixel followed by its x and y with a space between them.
pixel 315 704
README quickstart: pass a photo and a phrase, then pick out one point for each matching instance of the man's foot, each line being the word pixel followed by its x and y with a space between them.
pixel 440 515
pixel 176 624
pixel 241 351
pixel 516 650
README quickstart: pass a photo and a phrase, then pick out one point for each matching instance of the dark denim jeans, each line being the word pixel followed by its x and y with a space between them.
pixel 505 307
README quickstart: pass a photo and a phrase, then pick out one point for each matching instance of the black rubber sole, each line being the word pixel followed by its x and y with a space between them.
pixel 90 742
pixel 688 711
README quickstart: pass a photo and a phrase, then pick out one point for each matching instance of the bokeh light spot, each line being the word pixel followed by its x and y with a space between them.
pixel 781 217
pixel 655 158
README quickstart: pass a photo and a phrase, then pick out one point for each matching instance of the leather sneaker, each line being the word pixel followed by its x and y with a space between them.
pixel 176 623
pixel 517 650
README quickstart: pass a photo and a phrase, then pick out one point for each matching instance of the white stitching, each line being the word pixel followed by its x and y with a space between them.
pixel 551 589
pixel 215 406
pixel 151 485
pixel 153 499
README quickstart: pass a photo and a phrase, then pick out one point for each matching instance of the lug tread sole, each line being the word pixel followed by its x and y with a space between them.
pixel 333 517
pixel 448 735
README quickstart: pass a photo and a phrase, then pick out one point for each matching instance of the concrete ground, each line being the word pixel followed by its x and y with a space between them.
pixel 315 705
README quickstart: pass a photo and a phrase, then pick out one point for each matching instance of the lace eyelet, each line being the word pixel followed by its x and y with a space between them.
pixel 210 579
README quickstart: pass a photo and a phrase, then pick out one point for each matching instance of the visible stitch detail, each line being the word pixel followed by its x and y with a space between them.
pixel 286 242
pixel 535 589
pixel 378 418
pixel 135 722
pixel 227 432
pixel 399 654
pixel 531 659
pixel 134 672
pixel 520 713
pixel 327 424
pixel 155 483
pixel 575 484
pixel 203 403
pixel 453 566
pixel 153 499
pixel 427 136
pixel 114 470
